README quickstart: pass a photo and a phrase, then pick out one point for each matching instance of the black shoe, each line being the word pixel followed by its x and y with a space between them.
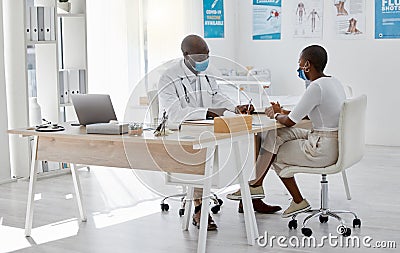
pixel 260 207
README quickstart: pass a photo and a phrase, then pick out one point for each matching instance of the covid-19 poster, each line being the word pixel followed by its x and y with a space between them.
pixel 387 19
pixel 267 19
pixel 213 18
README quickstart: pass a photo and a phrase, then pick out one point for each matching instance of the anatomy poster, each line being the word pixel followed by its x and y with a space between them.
pixel 267 19
pixel 387 19
pixel 308 16
pixel 350 18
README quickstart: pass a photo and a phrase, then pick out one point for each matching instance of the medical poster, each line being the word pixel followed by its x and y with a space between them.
pixel 267 19
pixel 387 19
pixel 307 16
pixel 350 18
pixel 213 12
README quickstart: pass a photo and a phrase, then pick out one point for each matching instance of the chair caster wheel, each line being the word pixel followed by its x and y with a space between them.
pixel 292 224
pixel 306 232
pixel 215 209
pixel 220 201
pixel 323 219
pixel 164 207
pixel 344 230
pixel 181 212
pixel 356 222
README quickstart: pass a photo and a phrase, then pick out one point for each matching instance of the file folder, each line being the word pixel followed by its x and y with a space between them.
pixel 82 81
pixel 73 81
pixel 34 24
pixel 28 5
pixel 52 23
pixel 40 23
pixel 63 86
pixel 47 23
pixel 28 23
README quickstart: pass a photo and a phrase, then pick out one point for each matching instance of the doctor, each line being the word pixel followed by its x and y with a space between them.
pixel 188 92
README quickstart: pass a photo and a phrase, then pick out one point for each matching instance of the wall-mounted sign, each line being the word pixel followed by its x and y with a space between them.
pixel 214 24
pixel 267 19
pixel 387 19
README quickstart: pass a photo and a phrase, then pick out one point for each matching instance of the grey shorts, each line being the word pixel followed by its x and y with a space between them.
pixel 300 147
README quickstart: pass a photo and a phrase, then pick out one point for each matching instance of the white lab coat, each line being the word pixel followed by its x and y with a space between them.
pixel 171 94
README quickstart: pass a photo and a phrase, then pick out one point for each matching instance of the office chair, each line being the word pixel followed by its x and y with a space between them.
pixel 152 96
pixel 351 137
pixel 349 94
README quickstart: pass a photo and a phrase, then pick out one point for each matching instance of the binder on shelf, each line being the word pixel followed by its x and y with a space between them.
pixel 52 23
pixel 28 23
pixel 82 81
pixel 47 23
pixel 73 81
pixel 34 24
pixel 63 86
pixel 60 45
pixel 40 23
pixel 28 5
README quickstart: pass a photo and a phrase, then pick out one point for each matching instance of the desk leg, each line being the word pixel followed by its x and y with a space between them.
pixel 201 247
pixel 188 208
pixel 32 184
pixel 77 186
pixel 249 217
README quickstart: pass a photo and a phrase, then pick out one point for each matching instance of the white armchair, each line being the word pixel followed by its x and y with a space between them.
pixel 351 150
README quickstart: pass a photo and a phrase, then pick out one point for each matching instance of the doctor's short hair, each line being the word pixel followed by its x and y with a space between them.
pixel 316 55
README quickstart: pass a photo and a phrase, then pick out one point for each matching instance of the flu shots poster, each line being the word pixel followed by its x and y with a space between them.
pixel 387 19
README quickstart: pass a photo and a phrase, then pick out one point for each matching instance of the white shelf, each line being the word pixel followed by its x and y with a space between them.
pixel 47 42
pixel 67 104
pixel 243 82
pixel 71 15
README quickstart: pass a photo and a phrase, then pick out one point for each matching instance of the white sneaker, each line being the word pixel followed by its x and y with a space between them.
pixel 294 208
pixel 255 192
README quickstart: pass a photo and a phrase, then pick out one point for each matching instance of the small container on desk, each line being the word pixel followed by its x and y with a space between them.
pixel 136 129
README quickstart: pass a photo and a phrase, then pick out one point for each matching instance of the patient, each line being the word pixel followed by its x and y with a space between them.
pixel 321 103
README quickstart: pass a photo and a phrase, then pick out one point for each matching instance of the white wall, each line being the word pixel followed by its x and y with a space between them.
pixel 108 51
pixel 17 104
pixel 368 65
pixel 5 171
pixel 226 47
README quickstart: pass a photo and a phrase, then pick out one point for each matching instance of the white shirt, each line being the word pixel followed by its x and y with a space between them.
pixel 195 83
pixel 193 103
pixel 322 103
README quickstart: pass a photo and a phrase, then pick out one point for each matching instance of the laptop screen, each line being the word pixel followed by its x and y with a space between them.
pixel 93 108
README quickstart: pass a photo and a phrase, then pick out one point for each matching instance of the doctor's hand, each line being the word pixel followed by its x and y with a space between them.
pixel 215 112
pixel 244 109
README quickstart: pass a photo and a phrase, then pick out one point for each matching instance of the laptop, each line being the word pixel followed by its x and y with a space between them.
pixel 93 108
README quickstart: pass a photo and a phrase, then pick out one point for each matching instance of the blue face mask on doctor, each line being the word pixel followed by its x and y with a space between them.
pixel 199 66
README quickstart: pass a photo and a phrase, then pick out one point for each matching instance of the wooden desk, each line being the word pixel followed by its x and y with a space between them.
pixel 174 153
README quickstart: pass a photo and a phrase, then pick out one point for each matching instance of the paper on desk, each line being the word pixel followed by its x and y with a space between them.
pixel 199 122
pixel 229 113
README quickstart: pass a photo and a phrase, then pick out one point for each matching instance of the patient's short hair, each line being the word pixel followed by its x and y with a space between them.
pixel 316 55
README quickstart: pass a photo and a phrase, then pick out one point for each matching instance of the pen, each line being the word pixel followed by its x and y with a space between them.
pixel 248 106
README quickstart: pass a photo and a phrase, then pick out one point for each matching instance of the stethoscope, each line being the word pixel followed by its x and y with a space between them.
pixel 187 98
